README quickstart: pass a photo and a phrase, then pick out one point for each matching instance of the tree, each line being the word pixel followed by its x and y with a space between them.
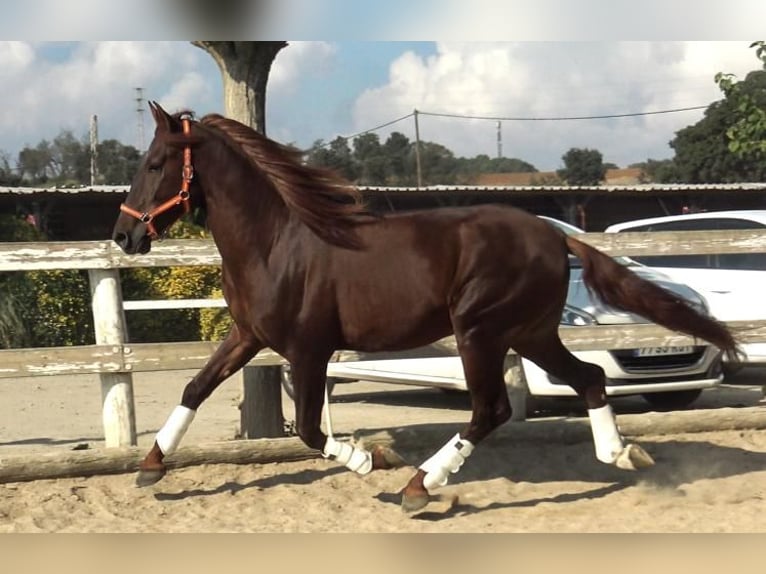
pixel 398 151
pixel 657 171
pixel 747 133
pixel 245 68
pixel 35 163
pixel 582 166
pixel 369 154
pixel 70 159
pixel 336 155
pixel 438 164
pixel 7 175
pixel 703 151
pixel 117 162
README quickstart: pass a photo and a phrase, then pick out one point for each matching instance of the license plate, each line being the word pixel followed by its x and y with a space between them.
pixel 658 351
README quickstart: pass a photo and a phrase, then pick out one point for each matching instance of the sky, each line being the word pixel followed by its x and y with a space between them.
pixel 354 66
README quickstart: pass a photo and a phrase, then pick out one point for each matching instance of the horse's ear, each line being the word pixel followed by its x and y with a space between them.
pixel 164 120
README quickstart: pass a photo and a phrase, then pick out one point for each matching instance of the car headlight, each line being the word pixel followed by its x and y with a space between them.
pixel 573 316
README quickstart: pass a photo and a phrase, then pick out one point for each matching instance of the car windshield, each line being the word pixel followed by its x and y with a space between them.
pixel 570 229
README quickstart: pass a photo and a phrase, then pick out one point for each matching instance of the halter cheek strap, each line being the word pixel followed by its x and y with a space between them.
pixel 182 198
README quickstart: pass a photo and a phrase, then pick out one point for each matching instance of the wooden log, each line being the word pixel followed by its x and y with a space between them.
pixel 261 413
pixel 417 438
pixel 52 465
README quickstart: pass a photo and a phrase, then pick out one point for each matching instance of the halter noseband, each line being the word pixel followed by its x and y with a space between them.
pixel 182 198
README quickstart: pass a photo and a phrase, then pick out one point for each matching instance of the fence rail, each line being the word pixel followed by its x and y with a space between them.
pixel 114 358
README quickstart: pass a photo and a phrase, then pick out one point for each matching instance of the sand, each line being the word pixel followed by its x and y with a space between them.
pixel 703 482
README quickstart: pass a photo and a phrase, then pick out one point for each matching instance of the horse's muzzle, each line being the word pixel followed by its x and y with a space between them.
pixel 131 244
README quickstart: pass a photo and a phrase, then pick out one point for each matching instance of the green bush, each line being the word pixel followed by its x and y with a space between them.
pixel 201 282
pixel 53 308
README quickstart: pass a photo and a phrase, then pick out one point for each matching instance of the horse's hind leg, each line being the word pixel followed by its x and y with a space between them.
pixel 232 354
pixel 483 366
pixel 588 381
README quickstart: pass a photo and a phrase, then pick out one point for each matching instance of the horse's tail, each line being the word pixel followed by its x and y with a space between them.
pixel 621 288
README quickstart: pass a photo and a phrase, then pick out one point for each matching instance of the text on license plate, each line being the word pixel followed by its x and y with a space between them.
pixel 657 351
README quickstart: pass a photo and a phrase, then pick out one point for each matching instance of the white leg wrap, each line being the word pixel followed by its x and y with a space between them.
pixel 353 458
pixel 448 459
pixel 606 436
pixel 174 429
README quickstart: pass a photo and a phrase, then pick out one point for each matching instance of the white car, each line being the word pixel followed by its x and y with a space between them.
pixel 668 378
pixel 732 283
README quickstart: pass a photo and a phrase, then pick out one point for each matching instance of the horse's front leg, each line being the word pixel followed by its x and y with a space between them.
pixel 309 380
pixel 233 353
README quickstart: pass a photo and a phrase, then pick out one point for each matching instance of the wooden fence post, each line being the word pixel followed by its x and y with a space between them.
pixel 516 384
pixel 119 414
pixel 261 413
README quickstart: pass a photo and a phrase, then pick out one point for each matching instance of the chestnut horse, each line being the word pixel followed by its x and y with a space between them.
pixel 306 270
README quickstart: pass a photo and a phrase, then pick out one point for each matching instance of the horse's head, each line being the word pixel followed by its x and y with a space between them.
pixel 161 190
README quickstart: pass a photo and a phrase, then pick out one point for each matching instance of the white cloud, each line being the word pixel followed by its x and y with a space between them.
pixel 15 57
pixel 536 79
pixel 297 60
pixel 42 96
pixel 185 90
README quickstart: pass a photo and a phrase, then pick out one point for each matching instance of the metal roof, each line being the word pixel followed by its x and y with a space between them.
pixel 637 188
pixel 69 190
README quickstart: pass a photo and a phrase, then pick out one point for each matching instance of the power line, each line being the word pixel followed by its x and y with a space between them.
pixel 520 118
pixel 376 128
pixel 562 118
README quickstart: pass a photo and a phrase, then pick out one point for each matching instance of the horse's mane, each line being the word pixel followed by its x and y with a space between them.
pixel 320 198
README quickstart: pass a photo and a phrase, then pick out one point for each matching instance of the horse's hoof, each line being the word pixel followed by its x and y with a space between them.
pixel 147 477
pixel 633 457
pixel 413 503
pixel 383 458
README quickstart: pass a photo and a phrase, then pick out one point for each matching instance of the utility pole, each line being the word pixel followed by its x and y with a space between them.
pixel 140 114
pixel 499 140
pixel 417 150
pixel 93 150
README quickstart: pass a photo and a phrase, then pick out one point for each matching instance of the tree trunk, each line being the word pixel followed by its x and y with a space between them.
pixel 245 68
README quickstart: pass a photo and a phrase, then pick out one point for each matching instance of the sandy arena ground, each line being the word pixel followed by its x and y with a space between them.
pixel 704 482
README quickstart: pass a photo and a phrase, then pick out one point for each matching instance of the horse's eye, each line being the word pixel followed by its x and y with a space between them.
pixel 154 168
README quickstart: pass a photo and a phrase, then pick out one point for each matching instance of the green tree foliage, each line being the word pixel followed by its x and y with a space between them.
pixel 202 282
pixel 62 312
pixel 66 161
pixel 703 153
pixel 747 132
pixel 34 164
pixel 729 143
pixel 15 288
pixel 371 159
pixel 658 171
pixel 116 162
pixel 42 308
pixel 582 166
pixel 8 175
pixel 336 156
pixel 393 163
pixel 400 157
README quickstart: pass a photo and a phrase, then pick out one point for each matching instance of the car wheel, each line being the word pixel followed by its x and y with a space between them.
pixel 672 400
pixel 287 382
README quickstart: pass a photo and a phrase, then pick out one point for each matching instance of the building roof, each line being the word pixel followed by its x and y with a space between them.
pixel 633 188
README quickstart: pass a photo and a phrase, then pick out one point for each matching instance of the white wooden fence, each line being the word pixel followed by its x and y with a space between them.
pixel 115 359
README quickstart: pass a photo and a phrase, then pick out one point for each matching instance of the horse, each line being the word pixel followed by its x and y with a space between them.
pixel 307 269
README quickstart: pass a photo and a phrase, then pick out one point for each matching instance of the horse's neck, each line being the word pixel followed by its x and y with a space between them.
pixel 245 216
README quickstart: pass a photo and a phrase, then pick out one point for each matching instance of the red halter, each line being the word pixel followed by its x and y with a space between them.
pixel 182 198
